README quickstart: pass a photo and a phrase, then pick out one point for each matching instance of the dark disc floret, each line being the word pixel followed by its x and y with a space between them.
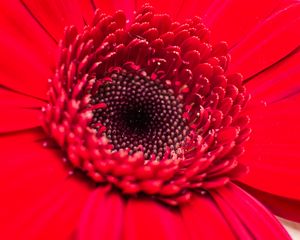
pixel 140 113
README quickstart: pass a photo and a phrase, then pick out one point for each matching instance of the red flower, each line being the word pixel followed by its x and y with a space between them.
pixel 145 120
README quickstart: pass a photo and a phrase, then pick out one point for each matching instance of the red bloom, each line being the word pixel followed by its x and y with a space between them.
pixel 144 120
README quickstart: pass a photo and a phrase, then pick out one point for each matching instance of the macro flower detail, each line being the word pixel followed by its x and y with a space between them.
pixel 148 107
pixel 133 119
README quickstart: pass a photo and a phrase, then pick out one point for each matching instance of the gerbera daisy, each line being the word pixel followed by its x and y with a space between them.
pixel 126 120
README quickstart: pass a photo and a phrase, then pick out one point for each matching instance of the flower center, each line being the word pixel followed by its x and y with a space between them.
pixel 139 112
pixel 147 107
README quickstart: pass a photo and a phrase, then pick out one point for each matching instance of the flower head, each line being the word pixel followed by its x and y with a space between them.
pixel 145 128
pixel 147 106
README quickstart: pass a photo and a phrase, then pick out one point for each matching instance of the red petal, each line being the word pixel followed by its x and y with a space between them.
pixel 257 220
pixel 203 9
pixel 18 119
pixel 27 52
pixel 272 152
pixel 23 156
pixel 228 21
pixel 279 81
pixel 14 138
pixel 54 215
pixel 28 171
pixel 102 217
pixel 204 220
pixel 263 46
pixel 19 111
pixel 10 99
pixel 231 21
pixel 146 219
pixel 54 16
pixel 87 10
pixel 284 207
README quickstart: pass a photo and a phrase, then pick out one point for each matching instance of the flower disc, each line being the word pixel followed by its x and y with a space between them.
pixel 147 107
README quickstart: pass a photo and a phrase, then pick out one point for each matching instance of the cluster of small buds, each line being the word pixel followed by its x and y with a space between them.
pixel 139 111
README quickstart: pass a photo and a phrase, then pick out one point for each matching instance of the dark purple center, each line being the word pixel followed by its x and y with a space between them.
pixel 140 112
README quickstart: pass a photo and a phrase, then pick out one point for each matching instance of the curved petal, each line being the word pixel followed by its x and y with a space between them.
pixel 262 47
pixel 29 175
pixel 53 216
pixel 54 16
pixel 87 9
pixel 19 111
pixel 15 100
pixel 283 207
pixel 279 81
pixel 204 220
pixel 272 153
pixel 231 21
pixel 147 219
pixel 19 119
pixel 27 52
pixel 102 217
pixel 257 222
